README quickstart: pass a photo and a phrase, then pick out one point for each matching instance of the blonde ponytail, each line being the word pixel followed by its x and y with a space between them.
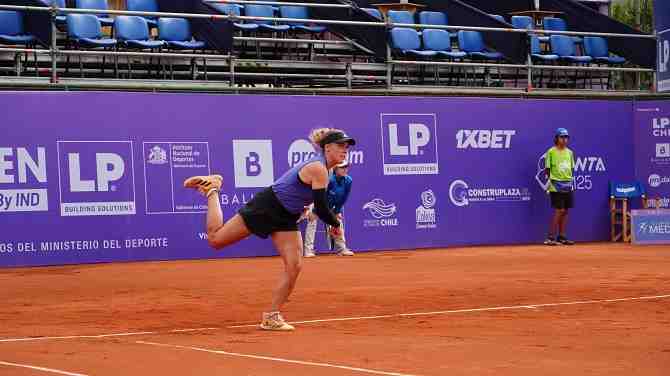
pixel 317 135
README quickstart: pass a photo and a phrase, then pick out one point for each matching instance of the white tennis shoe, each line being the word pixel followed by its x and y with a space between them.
pixel 275 321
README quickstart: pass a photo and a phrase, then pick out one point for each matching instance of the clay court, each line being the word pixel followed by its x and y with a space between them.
pixel 596 309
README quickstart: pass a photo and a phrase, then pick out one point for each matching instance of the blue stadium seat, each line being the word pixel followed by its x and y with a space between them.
pixel 144 6
pixel 105 19
pixel 556 24
pixel 133 32
pixel 373 12
pixel 598 49
pixel 301 13
pixel 235 10
pixel 400 16
pixel 498 17
pixel 407 42
pixel 564 47
pixel 439 41
pixel 473 44
pixel 537 56
pixel 435 18
pixel 536 51
pixel 12 30
pixel 85 30
pixel 176 32
pixel 264 11
pixel 523 22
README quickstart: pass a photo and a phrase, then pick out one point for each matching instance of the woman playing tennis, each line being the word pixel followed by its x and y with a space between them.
pixel 274 212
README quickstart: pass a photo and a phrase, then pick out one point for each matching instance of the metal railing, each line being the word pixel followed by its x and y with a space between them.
pixel 54 52
pixel 275 3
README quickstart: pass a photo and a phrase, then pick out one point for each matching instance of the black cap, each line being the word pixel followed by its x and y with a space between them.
pixel 337 138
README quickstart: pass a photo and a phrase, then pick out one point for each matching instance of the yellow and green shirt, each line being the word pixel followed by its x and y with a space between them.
pixel 561 163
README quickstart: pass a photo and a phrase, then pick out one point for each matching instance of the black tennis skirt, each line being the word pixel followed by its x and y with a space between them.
pixel 264 214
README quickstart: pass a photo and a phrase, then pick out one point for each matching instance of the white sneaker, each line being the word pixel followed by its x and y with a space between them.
pixel 346 252
pixel 309 254
pixel 275 321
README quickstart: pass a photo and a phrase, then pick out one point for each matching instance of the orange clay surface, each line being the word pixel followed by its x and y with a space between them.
pixel 495 311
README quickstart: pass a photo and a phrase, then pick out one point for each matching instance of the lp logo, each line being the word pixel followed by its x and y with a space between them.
pixel 98 178
pixel 253 163
pixel 419 136
pixel 109 167
pixel 409 144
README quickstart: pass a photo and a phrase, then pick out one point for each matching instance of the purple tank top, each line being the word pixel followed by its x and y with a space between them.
pixel 292 193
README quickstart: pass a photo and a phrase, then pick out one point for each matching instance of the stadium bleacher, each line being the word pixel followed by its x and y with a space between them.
pixel 275 45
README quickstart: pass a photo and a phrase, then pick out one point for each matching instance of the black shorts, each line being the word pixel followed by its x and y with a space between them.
pixel 264 214
pixel 562 200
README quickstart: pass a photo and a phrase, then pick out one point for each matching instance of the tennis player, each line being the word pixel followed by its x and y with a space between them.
pixel 274 212
pixel 560 164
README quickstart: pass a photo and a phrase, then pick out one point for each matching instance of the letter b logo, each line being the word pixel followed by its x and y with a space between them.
pixel 253 163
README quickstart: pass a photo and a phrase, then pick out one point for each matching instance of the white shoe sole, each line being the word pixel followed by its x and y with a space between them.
pixel 283 328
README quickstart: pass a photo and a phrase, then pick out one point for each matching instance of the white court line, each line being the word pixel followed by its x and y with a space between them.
pixel 103 335
pixel 525 306
pixel 41 369
pixel 274 359
pixel 76 337
pixel 192 330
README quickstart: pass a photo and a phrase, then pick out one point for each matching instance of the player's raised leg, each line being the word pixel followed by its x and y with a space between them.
pixel 219 235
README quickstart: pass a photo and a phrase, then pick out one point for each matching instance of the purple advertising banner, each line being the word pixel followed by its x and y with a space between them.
pixel 97 177
pixel 652 149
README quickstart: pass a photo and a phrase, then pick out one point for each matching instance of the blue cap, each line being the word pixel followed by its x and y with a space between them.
pixel 562 132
